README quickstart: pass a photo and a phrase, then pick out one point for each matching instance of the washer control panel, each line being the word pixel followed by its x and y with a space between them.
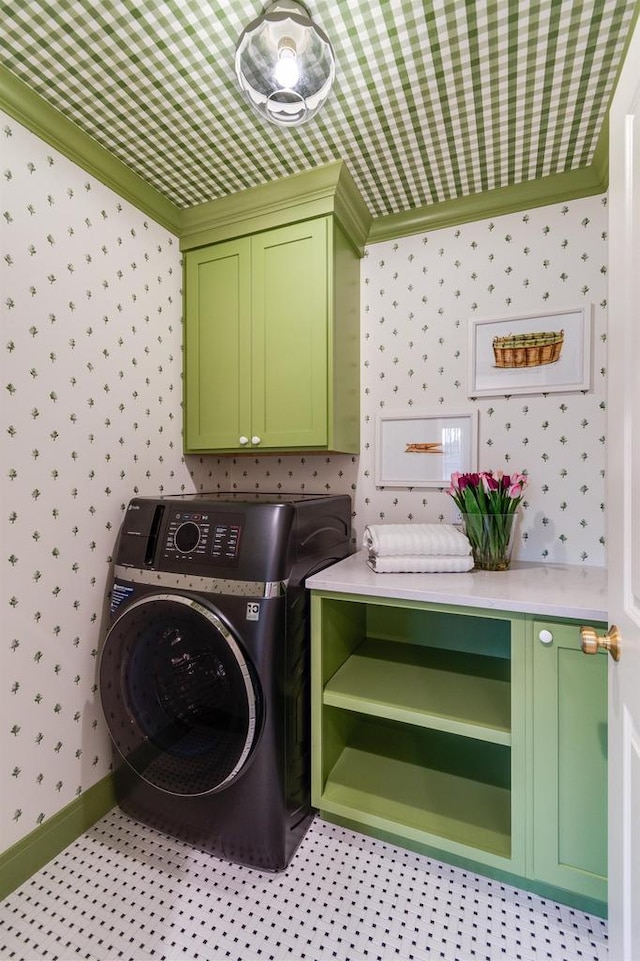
pixel 204 535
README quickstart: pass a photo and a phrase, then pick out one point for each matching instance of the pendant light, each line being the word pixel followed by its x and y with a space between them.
pixel 285 64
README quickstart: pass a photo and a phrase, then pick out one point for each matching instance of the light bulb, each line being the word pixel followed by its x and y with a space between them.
pixel 286 69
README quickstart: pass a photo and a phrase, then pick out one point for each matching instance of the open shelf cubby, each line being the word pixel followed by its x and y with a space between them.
pixel 414 706
pixel 430 782
pixel 466 694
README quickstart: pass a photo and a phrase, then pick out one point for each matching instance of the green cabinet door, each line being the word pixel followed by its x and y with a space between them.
pixel 290 336
pixel 569 761
pixel 217 346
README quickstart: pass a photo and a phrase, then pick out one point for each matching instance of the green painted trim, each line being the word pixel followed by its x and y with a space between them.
pixel 351 211
pixel 578 901
pixel 378 600
pixel 600 162
pixel 31 110
pixel 527 747
pixel 328 189
pixel 601 153
pixel 28 855
pixel 557 188
pixel 519 783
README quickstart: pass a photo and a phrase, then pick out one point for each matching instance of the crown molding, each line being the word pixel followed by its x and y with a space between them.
pixel 327 189
pixel 556 188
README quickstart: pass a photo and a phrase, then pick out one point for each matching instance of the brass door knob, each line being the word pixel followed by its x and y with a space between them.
pixel 591 642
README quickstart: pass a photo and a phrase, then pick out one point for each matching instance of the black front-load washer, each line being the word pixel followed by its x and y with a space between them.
pixel 204 672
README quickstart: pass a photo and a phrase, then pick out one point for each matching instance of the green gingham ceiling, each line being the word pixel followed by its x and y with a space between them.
pixel 434 99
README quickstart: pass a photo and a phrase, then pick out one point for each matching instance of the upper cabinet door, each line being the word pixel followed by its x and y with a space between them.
pixel 290 336
pixel 217 346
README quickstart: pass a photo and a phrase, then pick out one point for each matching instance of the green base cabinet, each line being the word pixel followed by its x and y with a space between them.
pixel 440 727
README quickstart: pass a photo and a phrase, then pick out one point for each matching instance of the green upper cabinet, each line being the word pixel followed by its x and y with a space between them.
pixel 272 333
pixel 271 361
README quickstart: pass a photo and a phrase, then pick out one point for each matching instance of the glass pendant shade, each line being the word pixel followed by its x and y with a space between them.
pixel 285 64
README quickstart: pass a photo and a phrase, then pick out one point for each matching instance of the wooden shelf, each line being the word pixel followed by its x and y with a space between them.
pixel 397 796
pixel 464 694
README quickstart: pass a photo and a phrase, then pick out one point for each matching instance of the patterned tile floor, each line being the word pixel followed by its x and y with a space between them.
pixel 124 891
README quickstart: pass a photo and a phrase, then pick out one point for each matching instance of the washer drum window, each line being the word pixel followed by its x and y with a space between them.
pixel 178 695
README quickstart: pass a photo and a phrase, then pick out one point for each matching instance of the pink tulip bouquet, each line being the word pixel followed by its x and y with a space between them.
pixel 488 502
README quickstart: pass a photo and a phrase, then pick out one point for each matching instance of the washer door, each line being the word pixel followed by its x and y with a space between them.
pixel 179 699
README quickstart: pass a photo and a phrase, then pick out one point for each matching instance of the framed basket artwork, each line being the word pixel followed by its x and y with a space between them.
pixel 530 353
pixel 424 449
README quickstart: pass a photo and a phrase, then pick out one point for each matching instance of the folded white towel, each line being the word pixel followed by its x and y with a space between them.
pixel 401 539
pixel 420 564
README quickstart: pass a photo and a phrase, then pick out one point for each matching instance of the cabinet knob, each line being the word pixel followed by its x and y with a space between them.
pixel 243 441
pixel 255 440
pixel 591 642
pixel 546 637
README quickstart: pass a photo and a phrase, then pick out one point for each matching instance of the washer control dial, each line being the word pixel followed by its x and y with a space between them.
pixel 187 537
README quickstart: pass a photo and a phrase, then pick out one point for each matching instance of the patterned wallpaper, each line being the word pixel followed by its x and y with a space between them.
pixel 418 295
pixel 91 375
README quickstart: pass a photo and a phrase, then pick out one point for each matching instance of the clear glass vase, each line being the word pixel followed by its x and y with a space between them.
pixel 491 537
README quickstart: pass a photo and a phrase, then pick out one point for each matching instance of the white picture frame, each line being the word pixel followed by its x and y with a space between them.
pixel 423 449
pixel 506 355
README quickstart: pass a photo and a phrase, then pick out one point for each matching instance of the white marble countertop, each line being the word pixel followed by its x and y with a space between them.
pixel 552 590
